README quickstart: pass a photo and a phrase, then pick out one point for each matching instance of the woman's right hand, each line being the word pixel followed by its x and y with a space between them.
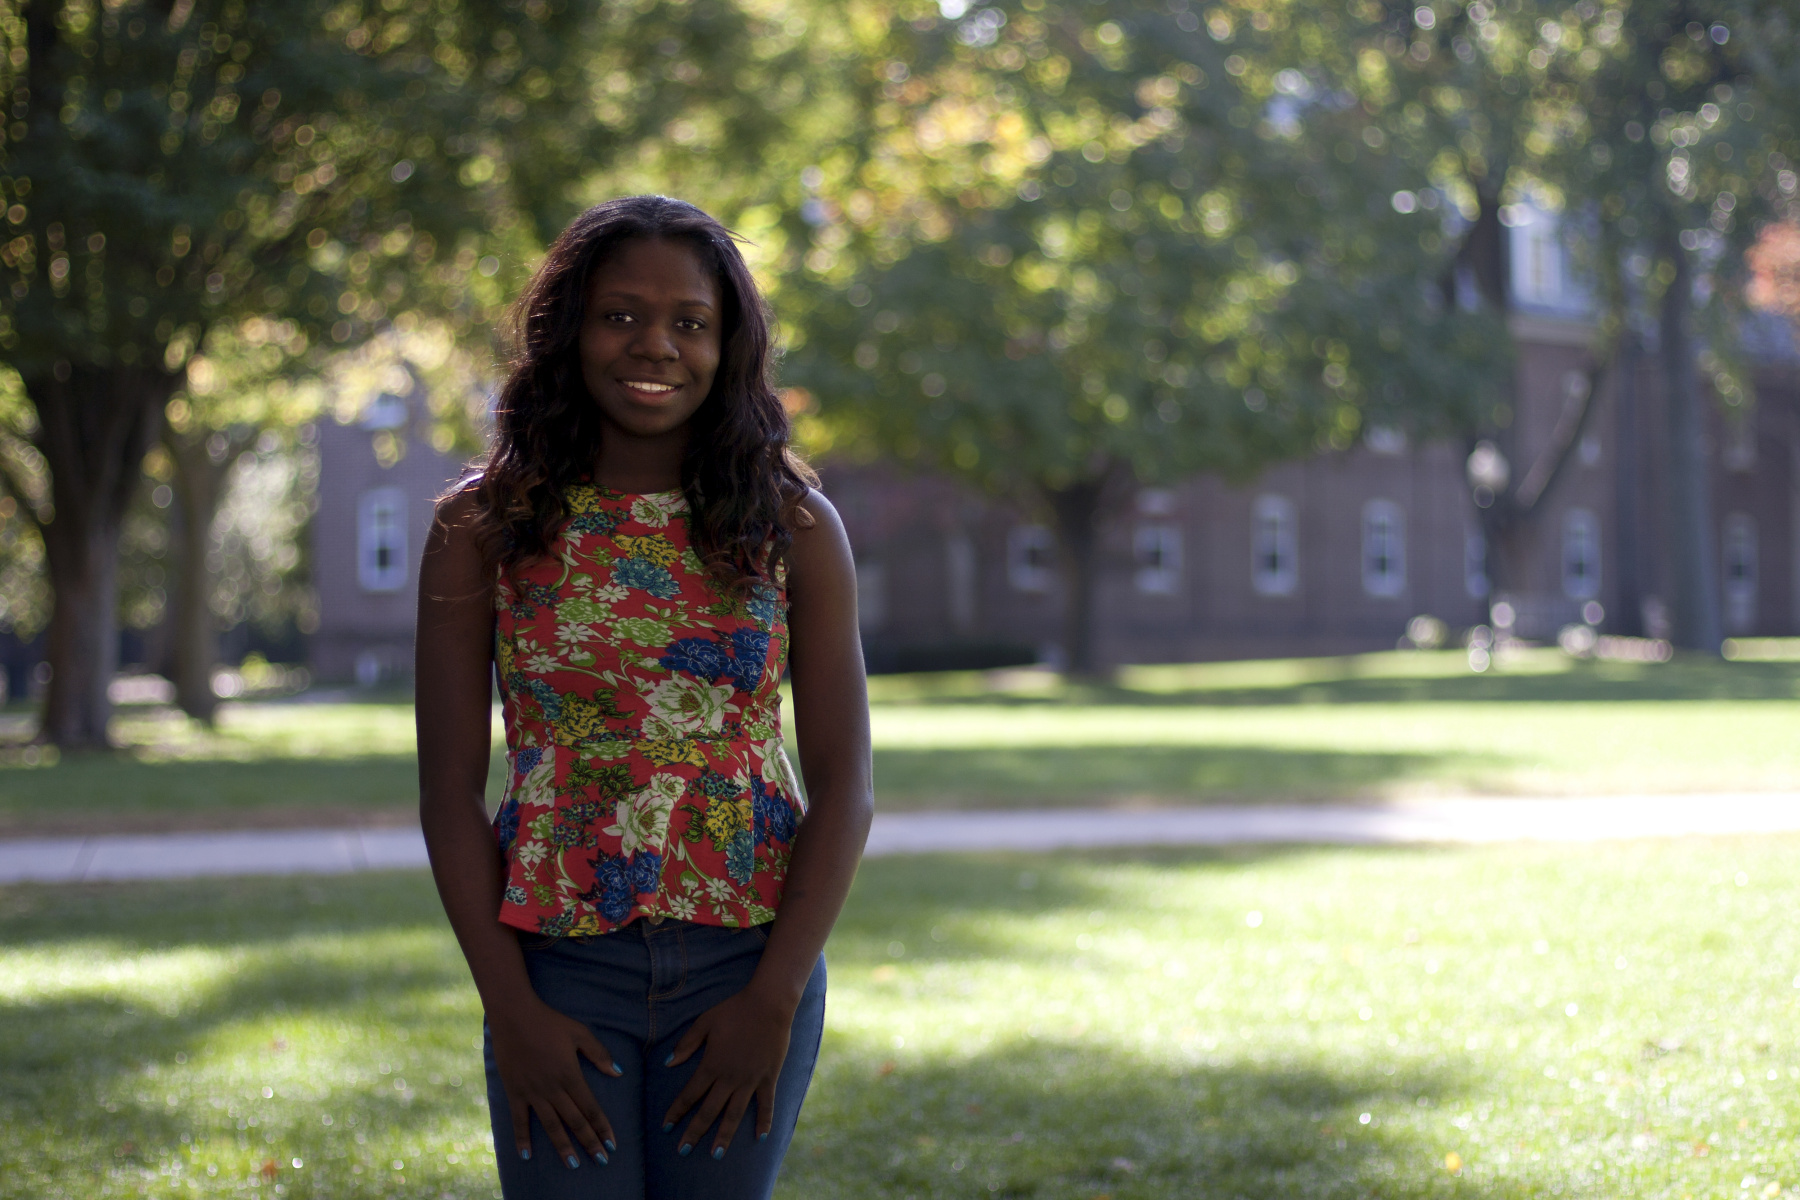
pixel 538 1055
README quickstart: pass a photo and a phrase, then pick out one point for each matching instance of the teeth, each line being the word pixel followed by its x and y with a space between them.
pixel 651 387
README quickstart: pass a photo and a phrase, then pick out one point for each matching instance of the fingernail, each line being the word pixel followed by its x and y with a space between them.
pixel 718 1152
pixel 573 1162
pixel 600 1158
pixel 763 1136
pixel 686 1150
pixel 609 1144
pixel 668 1126
pixel 669 1061
pixel 617 1069
pixel 525 1153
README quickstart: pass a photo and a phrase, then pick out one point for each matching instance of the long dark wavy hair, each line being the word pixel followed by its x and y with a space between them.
pixel 742 480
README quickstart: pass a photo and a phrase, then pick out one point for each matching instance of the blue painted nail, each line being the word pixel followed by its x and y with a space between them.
pixel 525 1153
pixel 573 1162
pixel 762 1137
pixel 600 1158
pixel 669 1061
pixel 668 1125
pixel 686 1150
pixel 718 1152
pixel 617 1069
pixel 609 1144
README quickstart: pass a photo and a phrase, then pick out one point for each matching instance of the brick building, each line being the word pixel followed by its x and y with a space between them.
pixel 1337 552
pixel 378 480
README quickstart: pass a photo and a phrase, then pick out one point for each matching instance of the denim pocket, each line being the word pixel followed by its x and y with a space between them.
pixel 762 931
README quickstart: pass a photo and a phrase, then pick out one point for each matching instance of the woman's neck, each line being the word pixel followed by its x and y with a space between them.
pixel 632 464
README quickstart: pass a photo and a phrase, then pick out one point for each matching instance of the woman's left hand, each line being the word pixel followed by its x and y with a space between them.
pixel 746 1040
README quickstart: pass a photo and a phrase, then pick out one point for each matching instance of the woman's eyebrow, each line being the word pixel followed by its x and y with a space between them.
pixel 620 294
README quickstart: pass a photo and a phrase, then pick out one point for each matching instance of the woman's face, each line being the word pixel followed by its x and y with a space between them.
pixel 650 336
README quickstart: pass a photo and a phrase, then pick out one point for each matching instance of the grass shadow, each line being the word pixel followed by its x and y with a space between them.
pixel 1002 777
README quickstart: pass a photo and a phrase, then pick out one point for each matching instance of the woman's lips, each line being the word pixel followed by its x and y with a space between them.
pixel 649 388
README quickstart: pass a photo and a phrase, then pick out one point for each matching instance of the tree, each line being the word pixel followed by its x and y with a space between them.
pixel 185 167
pixel 1070 251
pixel 1661 129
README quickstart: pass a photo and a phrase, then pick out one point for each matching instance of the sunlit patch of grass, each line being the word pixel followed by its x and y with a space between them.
pixel 1512 1022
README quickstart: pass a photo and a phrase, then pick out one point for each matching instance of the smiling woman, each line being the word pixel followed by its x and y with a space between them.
pixel 645 918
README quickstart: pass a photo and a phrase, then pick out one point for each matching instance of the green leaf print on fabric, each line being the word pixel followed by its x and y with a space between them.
pixel 645 631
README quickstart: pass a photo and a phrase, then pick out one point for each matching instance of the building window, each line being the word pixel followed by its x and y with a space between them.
pixel 1537 265
pixel 871 596
pixel 1383 549
pixel 1274 547
pixel 1475 572
pixel 1157 549
pixel 1739 555
pixel 381 540
pixel 1030 558
pixel 1580 554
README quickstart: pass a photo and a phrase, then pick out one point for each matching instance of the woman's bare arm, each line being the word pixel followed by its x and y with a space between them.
pixel 746 1037
pixel 534 1047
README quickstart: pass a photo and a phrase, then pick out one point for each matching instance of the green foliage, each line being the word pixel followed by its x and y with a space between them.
pixel 1072 242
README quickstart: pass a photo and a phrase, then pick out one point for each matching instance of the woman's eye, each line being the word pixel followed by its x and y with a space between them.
pixel 693 323
pixel 618 316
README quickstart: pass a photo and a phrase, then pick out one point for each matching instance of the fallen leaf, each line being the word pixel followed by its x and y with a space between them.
pixel 886 1069
pixel 269 1168
pixel 1453 1161
pixel 1701 1149
pixel 884 973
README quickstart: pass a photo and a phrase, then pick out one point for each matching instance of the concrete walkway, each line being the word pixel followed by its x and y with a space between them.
pixel 1469 821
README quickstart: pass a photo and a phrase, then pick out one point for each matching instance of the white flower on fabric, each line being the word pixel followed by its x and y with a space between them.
pixel 655 511
pixel 538 788
pixel 530 854
pixel 643 819
pixel 575 633
pixel 541 664
pixel 777 771
pixel 720 890
pixel 682 704
pixel 612 593
pixel 681 907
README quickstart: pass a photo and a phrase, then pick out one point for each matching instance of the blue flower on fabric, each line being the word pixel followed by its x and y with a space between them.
pixel 546 697
pixel 506 825
pixel 740 857
pixel 772 814
pixel 612 892
pixel 750 650
pixel 515 895
pixel 645 576
pixel 762 604
pixel 646 871
pixel 527 759
pixel 618 880
pixel 703 658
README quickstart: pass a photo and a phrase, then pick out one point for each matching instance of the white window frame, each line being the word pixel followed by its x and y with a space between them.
pixel 1157 550
pixel 1739 562
pixel 1030 558
pixel 381 527
pixel 1274 546
pixel 1383 549
pixel 1580 554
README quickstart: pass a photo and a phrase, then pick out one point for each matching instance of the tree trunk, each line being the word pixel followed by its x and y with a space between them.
pixel 95 425
pixel 1693 558
pixel 199 484
pixel 1075 508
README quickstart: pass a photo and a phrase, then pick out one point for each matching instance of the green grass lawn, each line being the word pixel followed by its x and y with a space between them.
pixel 1375 727
pixel 1504 1022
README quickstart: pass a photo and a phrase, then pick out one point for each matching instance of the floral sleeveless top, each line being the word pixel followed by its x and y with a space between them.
pixel 643 728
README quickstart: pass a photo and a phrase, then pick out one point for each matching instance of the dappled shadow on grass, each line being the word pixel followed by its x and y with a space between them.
pixel 999 776
pixel 1049 1119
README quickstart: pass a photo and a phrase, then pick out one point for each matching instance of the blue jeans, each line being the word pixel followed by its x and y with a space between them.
pixel 638 989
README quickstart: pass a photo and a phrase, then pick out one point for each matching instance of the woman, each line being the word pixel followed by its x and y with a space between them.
pixel 638 560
